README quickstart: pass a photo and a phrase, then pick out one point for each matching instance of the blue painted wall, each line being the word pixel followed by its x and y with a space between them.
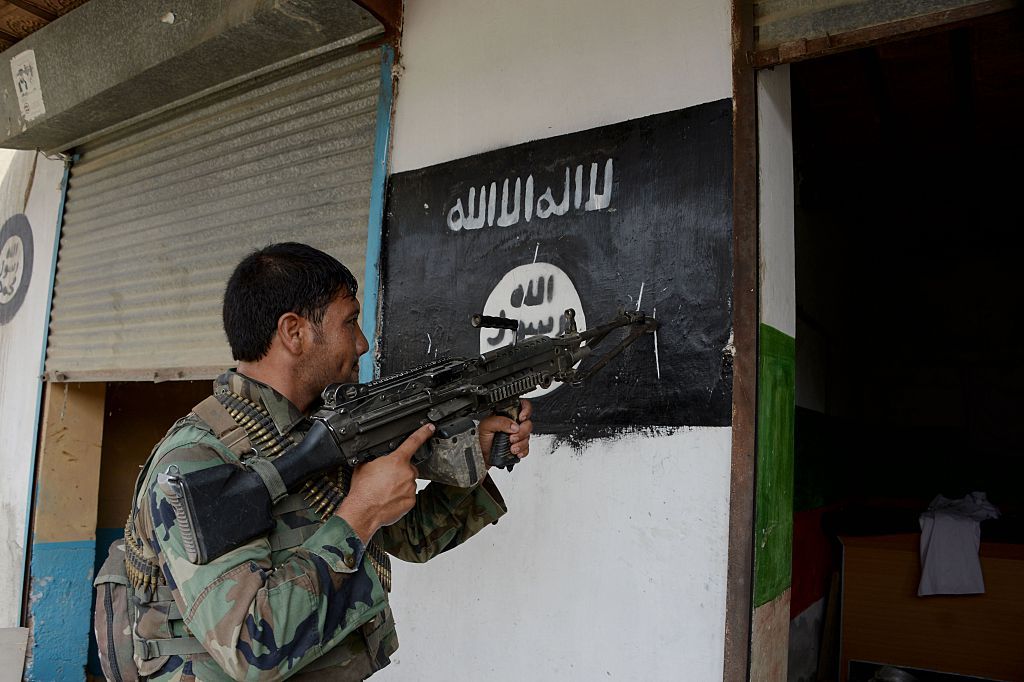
pixel 59 611
pixel 371 277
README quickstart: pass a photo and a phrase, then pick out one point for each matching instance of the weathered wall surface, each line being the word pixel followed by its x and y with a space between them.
pixel 30 196
pixel 64 530
pixel 611 562
pixel 775 200
pixel 609 565
pixel 773 532
pixel 481 76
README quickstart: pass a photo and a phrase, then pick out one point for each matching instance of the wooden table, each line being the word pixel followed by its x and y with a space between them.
pixel 884 621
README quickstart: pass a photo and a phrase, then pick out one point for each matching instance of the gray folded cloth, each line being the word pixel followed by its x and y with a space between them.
pixel 950 538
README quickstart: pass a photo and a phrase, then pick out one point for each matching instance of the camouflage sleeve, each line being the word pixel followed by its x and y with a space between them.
pixel 261 621
pixel 444 517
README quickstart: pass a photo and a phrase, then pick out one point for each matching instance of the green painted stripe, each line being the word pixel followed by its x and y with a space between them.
pixel 776 406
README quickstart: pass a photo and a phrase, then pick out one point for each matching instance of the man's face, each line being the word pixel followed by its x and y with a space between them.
pixel 334 355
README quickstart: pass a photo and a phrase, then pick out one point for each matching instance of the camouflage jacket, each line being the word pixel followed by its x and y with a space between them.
pixel 264 613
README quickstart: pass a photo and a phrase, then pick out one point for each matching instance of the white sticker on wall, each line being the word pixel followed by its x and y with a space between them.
pixel 537 295
pixel 26 84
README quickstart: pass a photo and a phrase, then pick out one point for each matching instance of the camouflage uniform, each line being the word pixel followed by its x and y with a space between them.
pixel 264 613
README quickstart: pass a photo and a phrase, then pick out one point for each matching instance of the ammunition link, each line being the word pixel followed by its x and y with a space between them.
pixel 142 573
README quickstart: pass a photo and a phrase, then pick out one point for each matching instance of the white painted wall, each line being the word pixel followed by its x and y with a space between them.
pixel 21 344
pixel 6 156
pixel 483 75
pixel 611 563
pixel 775 201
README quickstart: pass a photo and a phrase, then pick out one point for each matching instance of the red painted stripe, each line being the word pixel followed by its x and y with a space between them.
pixel 812 559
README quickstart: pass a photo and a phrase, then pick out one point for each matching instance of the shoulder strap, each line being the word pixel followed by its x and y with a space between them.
pixel 235 438
pixel 225 428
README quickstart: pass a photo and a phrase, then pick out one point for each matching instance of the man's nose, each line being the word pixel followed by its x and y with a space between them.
pixel 362 345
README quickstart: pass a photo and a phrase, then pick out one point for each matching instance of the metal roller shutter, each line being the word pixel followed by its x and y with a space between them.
pixel 155 220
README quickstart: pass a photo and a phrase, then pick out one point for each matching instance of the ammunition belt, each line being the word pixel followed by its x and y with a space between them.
pixel 142 573
pixel 263 434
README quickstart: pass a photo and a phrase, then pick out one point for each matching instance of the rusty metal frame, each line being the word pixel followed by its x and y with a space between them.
pixel 739 590
pixel 388 13
pixel 799 50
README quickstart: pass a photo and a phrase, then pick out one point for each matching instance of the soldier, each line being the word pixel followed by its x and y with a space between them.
pixel 310 599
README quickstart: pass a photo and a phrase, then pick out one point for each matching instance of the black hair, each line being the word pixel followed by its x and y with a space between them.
pixel 278 279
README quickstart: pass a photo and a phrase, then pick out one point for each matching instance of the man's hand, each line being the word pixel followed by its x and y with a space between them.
pixel 384 489
pixel 519 433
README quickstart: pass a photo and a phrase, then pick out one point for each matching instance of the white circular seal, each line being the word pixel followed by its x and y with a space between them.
pixel 537 295
pixel 12 267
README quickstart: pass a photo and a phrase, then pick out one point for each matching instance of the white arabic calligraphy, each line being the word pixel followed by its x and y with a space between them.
pixel 477 213
pixel 536 294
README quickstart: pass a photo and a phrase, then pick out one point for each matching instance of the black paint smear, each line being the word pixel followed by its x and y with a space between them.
pixel 669 225
pixel 580 436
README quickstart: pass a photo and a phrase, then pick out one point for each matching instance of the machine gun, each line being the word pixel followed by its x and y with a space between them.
pixel 222 507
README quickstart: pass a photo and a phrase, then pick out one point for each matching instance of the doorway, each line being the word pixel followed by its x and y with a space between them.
pixel 909 240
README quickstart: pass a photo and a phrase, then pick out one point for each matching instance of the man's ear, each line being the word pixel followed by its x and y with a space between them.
pixel 290 332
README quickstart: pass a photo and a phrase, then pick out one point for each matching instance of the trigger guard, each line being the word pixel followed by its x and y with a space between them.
pixel 455 427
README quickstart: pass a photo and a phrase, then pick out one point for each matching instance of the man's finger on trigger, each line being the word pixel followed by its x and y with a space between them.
pixel 525 409
pixel 415 440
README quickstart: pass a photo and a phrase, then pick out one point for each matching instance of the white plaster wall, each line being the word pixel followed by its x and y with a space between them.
pixel 482 75
pixel 775 200
pixel 21 343
pixel 611 563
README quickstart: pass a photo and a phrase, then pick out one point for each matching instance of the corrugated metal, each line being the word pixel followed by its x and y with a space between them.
pixel 779 22
pixel 155 221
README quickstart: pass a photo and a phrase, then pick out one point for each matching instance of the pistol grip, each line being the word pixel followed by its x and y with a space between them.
pixel 501 447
